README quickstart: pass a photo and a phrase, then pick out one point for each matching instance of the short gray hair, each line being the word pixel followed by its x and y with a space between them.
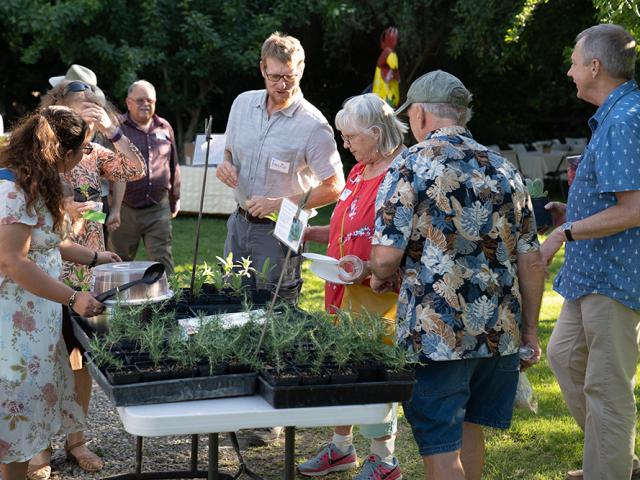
pixel 459 114
pixel 141 83
pixel 613 46
pixel 365 112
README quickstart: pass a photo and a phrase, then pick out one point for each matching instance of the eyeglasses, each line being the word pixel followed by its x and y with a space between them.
pixel 142 101
pixel 76 86
pixel 348 138
pixel 275 78
pixel 87 149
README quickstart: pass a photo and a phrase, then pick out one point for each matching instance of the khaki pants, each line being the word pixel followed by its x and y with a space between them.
pixel 152 225
pixel 593 352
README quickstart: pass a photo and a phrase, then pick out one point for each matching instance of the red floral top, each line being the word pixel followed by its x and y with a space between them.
pixel 355 210
pixel 101 162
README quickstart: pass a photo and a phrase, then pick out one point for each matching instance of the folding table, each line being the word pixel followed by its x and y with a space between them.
pixel 228 415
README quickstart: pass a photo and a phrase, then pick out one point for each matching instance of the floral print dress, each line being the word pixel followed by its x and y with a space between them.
pixel 101 162
pixel 37 398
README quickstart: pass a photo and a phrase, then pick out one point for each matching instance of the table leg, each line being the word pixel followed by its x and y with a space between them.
pixel 139 454
pixel 289 453
pixel 194 453
pixel 213 457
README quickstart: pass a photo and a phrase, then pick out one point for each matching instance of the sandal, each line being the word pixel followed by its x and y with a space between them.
pixel 41 471
pixel 89 462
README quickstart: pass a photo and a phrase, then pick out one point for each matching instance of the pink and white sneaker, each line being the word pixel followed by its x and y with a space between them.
pixel 329 459
pixel 375 469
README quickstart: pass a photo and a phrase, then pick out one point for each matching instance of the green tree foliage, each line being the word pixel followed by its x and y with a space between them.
pixel 201 53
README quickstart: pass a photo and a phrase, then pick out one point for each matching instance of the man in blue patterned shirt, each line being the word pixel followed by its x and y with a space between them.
pixel 458 219
pixel 593 350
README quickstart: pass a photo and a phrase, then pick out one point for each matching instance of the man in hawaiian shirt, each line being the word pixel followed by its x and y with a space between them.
pixel 593 350
pixel 458 219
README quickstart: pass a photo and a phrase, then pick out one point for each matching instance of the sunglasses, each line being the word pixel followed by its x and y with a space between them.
pixel 87 149
pixel 76 86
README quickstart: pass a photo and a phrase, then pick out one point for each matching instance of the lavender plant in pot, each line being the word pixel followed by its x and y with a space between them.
pixel 152 340
pixel 539 198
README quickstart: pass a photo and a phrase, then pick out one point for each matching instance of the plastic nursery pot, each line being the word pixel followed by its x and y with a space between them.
pixel 183 372
pixel 136 357
pixel 367 372
pixel 152 373
pixel 340 376
pixel 396 375
pixel 205 369
pixel 122 376
pixel 543 217
pixel 235 367
pixel 285 377
pixel 308 377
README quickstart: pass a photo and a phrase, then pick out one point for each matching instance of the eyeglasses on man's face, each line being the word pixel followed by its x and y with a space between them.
pixel 144 100
pixel 275 78
pixel 75 87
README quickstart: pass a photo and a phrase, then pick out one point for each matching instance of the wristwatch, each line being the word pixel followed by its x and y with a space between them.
pixel 566 228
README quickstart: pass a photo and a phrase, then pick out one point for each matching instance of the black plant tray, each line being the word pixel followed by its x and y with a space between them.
pixel 177 390
pixel 82 330
pixel 338 394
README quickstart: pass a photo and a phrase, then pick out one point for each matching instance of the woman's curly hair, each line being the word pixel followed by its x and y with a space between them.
pixel 36 148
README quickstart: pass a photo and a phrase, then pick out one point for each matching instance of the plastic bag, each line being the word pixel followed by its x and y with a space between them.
pixel 525 397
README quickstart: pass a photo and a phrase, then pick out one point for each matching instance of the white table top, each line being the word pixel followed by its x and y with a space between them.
pixel 231 414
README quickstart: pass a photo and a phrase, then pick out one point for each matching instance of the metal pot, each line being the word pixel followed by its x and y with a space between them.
pixel 112 275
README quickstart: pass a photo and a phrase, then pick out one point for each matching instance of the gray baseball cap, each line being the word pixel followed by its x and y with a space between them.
pixel 437 87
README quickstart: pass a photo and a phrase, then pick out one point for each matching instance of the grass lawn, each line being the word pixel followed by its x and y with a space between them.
pixel 542 446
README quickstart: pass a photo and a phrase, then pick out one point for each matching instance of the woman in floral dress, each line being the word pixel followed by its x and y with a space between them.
pixel 122 165
pixel 37 398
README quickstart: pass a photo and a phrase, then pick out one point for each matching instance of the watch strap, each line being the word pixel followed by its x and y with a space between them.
pixel 566 228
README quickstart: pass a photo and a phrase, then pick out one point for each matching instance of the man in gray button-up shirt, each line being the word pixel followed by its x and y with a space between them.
pixel 278 145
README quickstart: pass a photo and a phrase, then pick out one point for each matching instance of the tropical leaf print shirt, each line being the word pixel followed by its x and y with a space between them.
pixel 462 214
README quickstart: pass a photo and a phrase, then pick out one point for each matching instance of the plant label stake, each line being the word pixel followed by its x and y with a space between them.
pixel 207 129
pixel 301 205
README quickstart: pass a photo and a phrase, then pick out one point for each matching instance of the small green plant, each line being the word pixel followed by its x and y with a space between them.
pixel 101 353
pixel 84 190
pixel 152 340
pixel 212 343
pixel 183 349
pixel 536 188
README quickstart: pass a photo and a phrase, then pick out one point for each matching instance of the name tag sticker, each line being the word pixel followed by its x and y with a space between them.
pixel 345 194
pixel 161 136
pixel 279 165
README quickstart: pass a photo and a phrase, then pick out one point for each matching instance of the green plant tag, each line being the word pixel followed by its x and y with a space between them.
pixel 94 216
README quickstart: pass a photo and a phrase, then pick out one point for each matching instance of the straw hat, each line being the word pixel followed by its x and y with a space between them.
pixel 83 74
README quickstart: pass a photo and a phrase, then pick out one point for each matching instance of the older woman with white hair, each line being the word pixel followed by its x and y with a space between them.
pixel 373 135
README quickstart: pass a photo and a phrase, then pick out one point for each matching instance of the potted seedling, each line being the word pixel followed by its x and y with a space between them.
pixel 343 358
pixel 279 340
pixel 152 341
pixel 185 352
pixel 84 193
pixel 101 353
pixel 539 198
pixel 214 347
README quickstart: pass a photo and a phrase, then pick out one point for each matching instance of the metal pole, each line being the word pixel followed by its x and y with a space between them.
pixel 194 453
pixel 207 128
pixel 213 457
pixel 139 455
pixel 289 453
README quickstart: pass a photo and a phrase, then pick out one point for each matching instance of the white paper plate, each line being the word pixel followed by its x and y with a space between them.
pixel 318 258
pixel 328 272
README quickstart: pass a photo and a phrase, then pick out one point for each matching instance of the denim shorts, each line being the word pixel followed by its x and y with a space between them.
pixel 449 393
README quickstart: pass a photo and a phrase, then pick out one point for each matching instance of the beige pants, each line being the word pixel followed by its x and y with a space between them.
pixel 153 226
pixel 593 352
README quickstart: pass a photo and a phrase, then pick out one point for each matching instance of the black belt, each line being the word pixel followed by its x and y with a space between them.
pixel 250 218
